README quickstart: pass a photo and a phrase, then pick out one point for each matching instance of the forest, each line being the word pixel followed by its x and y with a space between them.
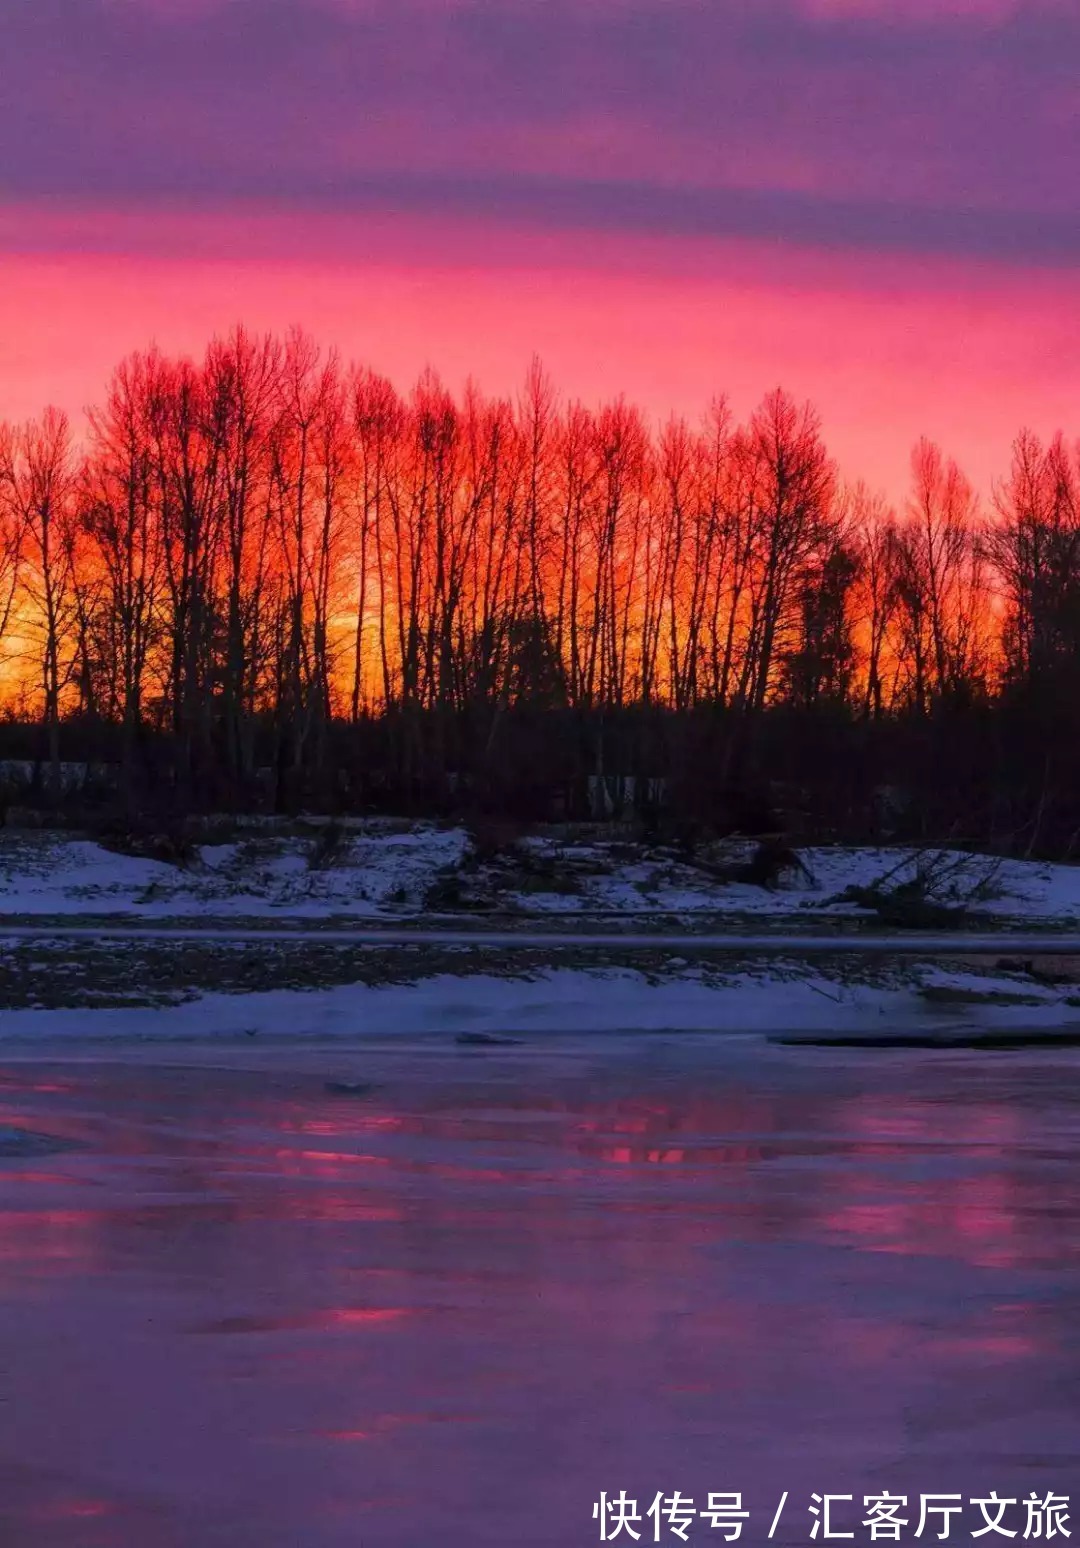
pixel 268 580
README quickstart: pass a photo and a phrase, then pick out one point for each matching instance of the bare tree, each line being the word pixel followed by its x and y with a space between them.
pixel 39 475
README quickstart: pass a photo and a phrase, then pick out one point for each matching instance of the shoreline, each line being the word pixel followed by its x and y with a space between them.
pixel 927 1005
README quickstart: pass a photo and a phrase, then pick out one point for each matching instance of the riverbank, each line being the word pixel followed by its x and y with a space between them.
pixel 136 990
pixel 380 871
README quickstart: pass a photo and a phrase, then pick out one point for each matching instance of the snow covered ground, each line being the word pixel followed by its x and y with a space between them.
pixel 395 871
pixel 924 1002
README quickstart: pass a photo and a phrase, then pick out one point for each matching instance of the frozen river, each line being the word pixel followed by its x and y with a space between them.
pixel 427 1295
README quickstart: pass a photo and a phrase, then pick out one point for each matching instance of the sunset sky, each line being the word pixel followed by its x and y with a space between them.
pixel 870 202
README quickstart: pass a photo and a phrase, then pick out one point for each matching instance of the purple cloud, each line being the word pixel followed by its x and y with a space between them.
pixel 944 128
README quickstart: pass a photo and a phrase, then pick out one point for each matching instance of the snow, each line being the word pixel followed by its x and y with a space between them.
pixel 383 872
pixel 782 1000
pixel 252 878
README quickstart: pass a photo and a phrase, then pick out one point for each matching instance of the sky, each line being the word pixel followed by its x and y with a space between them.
pixel 869 202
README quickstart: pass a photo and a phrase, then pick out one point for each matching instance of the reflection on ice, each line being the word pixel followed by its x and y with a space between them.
pixel 452 1309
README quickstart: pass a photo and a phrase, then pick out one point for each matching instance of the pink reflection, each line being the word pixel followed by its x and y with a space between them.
pixel 515 1286
pixel 388 1424
pixel 318 1320
pixel 78 1510
pixel 55 1237
pixel 364 1316
pixel 325 1160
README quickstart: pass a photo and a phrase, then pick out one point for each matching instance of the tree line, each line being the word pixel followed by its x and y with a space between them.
pixel 269 560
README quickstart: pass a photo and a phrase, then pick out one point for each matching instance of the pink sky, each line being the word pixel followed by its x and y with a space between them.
pixel 869 202
pixel 962 350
